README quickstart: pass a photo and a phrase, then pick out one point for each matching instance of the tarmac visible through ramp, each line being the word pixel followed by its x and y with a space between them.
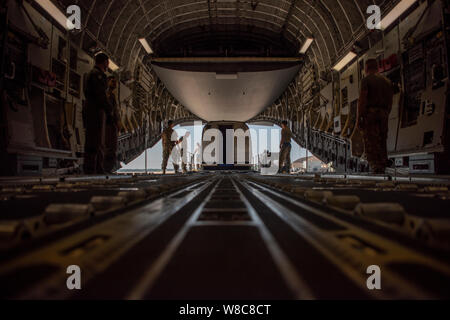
pixel 225 236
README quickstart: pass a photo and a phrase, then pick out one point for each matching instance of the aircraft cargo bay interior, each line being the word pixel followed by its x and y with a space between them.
pixel 224 150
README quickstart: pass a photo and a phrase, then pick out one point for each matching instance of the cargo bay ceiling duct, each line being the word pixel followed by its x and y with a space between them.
pixel 220 92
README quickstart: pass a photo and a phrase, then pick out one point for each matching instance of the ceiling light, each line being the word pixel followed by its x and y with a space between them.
pixel 306 45
pixel 113 66
pixel 395 13
pixel 344 61
pixel 146 46
pixel 56 14
pixel 230 76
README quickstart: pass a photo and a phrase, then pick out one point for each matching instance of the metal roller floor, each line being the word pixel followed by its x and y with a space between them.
pixel 225 236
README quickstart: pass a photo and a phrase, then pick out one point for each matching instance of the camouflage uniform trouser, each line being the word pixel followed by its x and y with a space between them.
pixel 111 136
pixel 183 163
pixel 285 158
pixel 167 151
pixel 94 149
pixel 375 133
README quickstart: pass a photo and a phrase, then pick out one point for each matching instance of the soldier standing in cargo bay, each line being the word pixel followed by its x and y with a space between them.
pixel 285 148
pixel 96 108
pixel 112 126
pixel 374 107
pixel 169 141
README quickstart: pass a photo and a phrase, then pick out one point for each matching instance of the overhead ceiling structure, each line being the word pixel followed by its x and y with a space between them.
pixel 225 28
pixel 117 25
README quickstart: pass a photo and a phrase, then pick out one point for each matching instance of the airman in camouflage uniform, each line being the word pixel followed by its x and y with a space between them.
pixel 112 126
pixel 375 104
pixel 184 154
pixel 169 141
pixel 97 106
pixel 285 149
